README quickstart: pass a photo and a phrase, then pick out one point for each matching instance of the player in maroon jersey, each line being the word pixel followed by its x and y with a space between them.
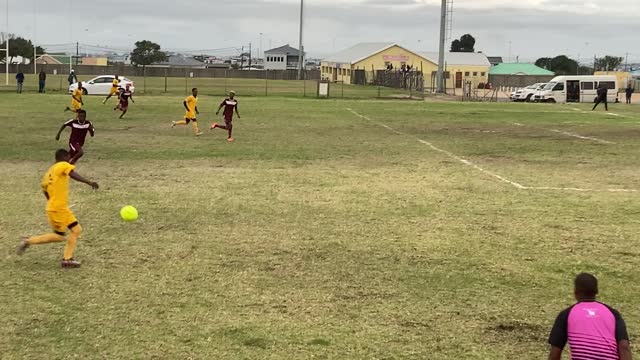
pixel 79 129
pixel 230 104
pixel 124 96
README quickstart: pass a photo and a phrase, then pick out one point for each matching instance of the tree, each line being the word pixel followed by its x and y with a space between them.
pixel 147 53
pixel 465 44
pixel 19 46
pixel 608 63
pixel 561 65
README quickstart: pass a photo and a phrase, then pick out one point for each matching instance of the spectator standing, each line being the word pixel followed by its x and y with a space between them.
pixel 72 77
pixel 20 80
pixel 593 329
pixel 629 92
pixel 42 79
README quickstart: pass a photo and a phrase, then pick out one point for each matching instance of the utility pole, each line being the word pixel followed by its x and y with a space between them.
pixel 443 29
pixel 6 58
pixel 242 58
pixel 301 50
pixel 250 56
pixel 626 61
pixel 77 52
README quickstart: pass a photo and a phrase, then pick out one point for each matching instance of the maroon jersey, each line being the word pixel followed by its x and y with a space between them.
pixel 124 98
pixel 229 106
pixel 78 131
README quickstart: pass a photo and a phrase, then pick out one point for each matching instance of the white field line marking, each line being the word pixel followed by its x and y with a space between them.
pixel 492 174
pixel 581 137
pixel 571 134
pixel 451 155
pixel 614 114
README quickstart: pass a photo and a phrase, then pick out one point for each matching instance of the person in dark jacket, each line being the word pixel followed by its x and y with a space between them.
pixel 602 97
pixel 42 78
pixel 72 78
pixel 20 80
pixel 629 92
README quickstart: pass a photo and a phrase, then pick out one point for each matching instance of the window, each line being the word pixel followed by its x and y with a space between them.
pixel 475 73
pixel 586 85
pixel 467 73
pixel 559 87
pixel 483 74
pixel 608 84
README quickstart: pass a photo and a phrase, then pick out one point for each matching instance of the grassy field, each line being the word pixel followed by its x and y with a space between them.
pixel 57 84
pixel 319 233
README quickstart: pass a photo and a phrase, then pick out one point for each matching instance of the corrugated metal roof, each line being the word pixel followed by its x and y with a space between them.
pixel 286 49
pixel 358 52
pixel 458 58
pixel 519 69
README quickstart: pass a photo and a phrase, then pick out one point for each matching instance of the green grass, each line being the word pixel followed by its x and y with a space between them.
pixel 57 84
pixel 317 234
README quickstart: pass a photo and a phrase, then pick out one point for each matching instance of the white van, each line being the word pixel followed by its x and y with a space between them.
pixel 564 89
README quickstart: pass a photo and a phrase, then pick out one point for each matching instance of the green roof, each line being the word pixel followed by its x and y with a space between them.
pixel 519 69
pixel 62 58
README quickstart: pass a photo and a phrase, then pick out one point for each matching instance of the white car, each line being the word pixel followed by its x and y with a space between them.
pixel 101 85
pixel 528 93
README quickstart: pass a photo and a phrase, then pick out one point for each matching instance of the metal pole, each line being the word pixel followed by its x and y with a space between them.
pixel 443 29
pixel 6 58
pixel 301 54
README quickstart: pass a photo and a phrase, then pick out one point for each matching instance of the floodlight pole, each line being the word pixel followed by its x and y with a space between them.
pixel 301 50
pixel 6 58
pixel 441 69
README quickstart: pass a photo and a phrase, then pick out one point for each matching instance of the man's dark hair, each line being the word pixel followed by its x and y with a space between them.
pixel 81 111
pixel 194 89
pixel 62 155
pixel 586 285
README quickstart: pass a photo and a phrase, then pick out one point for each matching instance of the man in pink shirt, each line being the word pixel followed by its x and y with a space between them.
pixel 593 330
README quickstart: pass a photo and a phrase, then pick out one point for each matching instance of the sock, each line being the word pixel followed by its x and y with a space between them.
pixel 181 122
pixel 195 127
pixel 45 239
pixel 71 242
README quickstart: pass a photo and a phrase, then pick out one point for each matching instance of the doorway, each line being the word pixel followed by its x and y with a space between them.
pixel 459 80
pixel 573 91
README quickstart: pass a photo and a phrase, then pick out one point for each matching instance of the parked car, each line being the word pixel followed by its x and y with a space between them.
pixel 101 85
pixel 528 93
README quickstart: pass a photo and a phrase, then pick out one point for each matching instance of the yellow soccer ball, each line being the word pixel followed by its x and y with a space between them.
pixel 129 213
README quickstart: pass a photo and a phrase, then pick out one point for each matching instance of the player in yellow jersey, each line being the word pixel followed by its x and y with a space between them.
pixel 115 84
pixel 55 185
pixel 76 99
pixel 191 104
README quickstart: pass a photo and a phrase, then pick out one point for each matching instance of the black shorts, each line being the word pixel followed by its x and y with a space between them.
pixel 74 148
pixel 189 120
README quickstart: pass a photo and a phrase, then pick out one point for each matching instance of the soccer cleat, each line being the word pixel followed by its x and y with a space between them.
pixel 71 263
pixel 24 245
pixel 215 125
pixel 199 133
pixel 230 139
pixel 173 124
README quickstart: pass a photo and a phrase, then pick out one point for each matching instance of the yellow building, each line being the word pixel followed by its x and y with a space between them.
pixel 624 78
pixel 364 60
pixel 100 61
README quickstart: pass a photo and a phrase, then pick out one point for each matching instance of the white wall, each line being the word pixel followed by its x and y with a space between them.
pixel 275 61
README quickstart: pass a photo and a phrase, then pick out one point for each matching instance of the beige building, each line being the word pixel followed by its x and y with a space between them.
pixel 368 58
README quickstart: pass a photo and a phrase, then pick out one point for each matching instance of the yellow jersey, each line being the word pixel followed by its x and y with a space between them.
pixel 56 184
pixel 192 103
pixel 77 94
pixel 115 83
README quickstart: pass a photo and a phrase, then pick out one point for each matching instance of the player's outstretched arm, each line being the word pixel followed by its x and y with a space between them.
pixel 185 105
pixel 237 113
pixel 220 108
pixel 77 177
pixel 131 97
pixel 92 130
pixel 197 112
pixel 60 131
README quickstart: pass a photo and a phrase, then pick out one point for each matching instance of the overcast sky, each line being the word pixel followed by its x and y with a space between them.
pixel 534 28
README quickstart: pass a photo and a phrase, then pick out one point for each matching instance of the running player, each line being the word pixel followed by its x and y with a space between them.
pixel 79 128
pixel 230 104
pixel 76 99
pixel 191 105
pixel 55 185
pixel 124 96
pixel 114 89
